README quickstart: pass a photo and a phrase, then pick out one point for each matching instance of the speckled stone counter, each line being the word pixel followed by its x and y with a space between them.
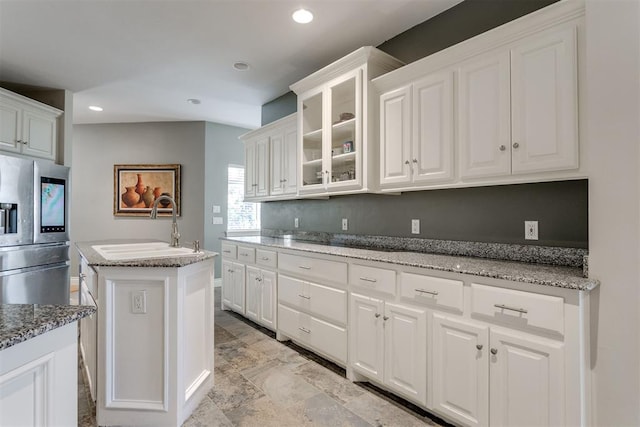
pixel 96 260
pixel 20 322
pixel 537 274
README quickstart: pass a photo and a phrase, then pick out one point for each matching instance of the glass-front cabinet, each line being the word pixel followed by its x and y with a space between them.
pixel 334 149
pixel 331 136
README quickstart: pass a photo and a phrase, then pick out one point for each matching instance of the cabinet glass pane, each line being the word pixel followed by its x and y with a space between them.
pixel 312 140
pixel 343 131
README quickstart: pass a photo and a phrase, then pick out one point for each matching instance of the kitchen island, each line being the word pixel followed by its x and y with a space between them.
pixel 39 363
pixel 151 347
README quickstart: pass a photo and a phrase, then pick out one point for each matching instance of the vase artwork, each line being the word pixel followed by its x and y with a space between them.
pixel 138 187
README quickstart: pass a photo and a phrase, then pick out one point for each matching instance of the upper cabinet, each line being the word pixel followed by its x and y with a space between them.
pixel 27 127
pixel 270 161
pixel 500 108
pixel 336 121
pixel 518 109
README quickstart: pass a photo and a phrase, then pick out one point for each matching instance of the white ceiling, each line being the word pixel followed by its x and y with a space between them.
pixel 141 60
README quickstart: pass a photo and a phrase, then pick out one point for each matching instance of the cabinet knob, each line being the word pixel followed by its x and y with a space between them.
pixel 479 346
pixel 494 351
pixel 415 160
pixel 406 162
pixel 385 318
pixel 377 315
pixel 284 180
pixel 502 148
pixel 516 145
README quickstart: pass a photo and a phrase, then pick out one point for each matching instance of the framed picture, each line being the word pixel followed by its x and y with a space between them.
pixel 136 187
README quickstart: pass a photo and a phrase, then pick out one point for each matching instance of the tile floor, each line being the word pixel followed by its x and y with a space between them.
pixel 262 382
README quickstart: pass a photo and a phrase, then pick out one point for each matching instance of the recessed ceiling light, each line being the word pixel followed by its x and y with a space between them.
pixel 95 108
pixel 302 16
pixel 193 101
pixel 241 66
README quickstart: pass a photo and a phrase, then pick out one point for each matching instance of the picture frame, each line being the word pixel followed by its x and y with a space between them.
pixel 137 186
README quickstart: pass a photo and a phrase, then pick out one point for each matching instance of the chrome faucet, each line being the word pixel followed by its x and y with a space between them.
pixel 175 236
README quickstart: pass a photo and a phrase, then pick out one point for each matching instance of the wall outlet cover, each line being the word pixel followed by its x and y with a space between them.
pixel 415 226
pixel 345 224
pixel 139 302
pixel 296 222
pixel 531 230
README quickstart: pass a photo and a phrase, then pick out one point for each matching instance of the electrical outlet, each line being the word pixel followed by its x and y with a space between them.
pixel 415 226
pixel 345 224
pixel 296 222
pixel 531 230
pixel 139 302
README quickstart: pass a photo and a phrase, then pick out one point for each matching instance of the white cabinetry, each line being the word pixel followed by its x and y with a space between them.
pixel 89 325
pixel 517 109
pixel 27 127
pixel 233 280
pixel 388 344
pixel 311 313
pixel 416 133
pixel 335 121
pixel 270 161
pixel 261 297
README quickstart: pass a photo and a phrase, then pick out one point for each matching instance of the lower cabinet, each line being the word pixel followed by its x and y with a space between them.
pixel 260 292
pixel 233 286
pixel 483 374
pixel 388 344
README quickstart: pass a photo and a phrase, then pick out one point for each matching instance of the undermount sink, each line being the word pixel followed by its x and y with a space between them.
pixel 131 251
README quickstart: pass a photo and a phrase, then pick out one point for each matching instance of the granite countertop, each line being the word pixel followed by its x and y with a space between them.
pixel 96 260
pixel 537 274
pixel 21 322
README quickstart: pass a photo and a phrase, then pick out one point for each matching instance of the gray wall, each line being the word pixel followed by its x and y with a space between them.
pixel 222 148
pixel 96 148
pixel 278 108
pixel 484 214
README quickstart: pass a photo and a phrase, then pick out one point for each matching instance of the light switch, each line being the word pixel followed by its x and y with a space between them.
pixel 216 209
pixel 217 220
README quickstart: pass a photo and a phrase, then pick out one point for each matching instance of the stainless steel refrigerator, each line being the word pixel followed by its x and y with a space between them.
pixel 34 238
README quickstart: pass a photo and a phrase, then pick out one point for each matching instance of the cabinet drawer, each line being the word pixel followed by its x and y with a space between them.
pixel 229 250
pixel 314 268
pixel 379 279
pixel 434 291
pixel 246 254
pixel 320 335
pixel 266 258
pixel 523 308
pixel 320 300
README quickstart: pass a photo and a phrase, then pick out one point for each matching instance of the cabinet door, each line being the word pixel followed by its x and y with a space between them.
pixel 9 126
pixel 39 132
pixel 405 356
pixel 267 302
pixel 484 120
pixel 432 142
pixel 276 154
pixel 460 370
pixel 227 283
pixel 262 167
pixel 527 380
pixel 250 183
pixel 545 103
pixel 238 281
pixel 366 336
pixel 310 120
pixel 290 161
pixel 395 137
pixel 252 287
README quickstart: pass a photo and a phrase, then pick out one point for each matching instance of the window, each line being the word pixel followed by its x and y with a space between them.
pixel 241 216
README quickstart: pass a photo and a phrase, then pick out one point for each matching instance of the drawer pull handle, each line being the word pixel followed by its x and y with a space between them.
pixel 304 267
pixel 506 307
pixel 479 346
pixel 244 254
pixel 367 279
pixel 494 351
pixel 227 252
pixel 305 330
pixel 83 276
pixel 265 258
pixel 424 291
pixel 304 296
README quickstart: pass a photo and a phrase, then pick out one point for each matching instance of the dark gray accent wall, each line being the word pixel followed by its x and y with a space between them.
pixel 480 214
pixel 279 108
pixel 484 214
